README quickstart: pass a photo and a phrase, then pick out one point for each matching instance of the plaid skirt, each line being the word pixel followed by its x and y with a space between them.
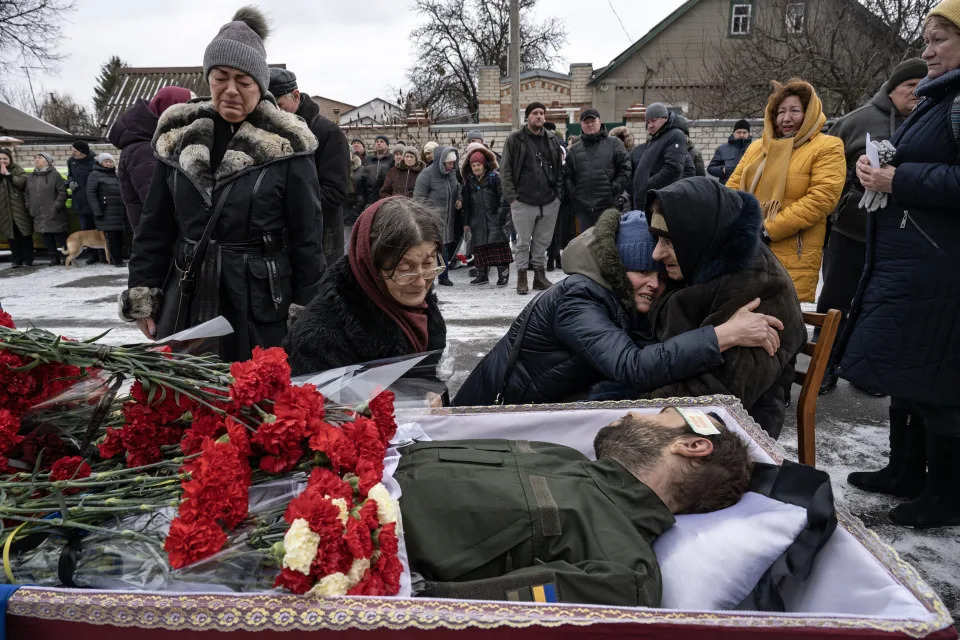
pixel 492 255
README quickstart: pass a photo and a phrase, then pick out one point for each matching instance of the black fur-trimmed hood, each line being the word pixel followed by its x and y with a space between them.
pixel 184 139
pixel 594 254
pixel 715 230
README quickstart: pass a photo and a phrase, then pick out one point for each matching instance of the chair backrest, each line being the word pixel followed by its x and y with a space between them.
pixel 810 380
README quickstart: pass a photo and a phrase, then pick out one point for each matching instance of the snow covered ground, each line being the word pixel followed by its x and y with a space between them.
pixel 851 428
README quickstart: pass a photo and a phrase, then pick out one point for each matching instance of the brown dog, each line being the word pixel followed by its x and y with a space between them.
pixel 80 240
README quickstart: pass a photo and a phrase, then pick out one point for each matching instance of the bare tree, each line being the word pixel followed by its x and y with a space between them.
pixel 459 36
pixel 30 31
pixel 63 111
pixel 845 48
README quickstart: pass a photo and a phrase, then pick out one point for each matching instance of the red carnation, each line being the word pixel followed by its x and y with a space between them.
pixel 327 483
pixel 189 542
pixel 282 439
pixel 358 538
pixel 6 320
pixel 72 468
pixel 368 514
pixel 387 539
pixel 370 472
pixel 371 585
pixel 9 426
pixel 265 375
pixel 381 408
pixel 294 581
pixel 205 424
pixel 333 556
pixel 112 444
pixel 238 437
pixel 322 515
pixel 334 443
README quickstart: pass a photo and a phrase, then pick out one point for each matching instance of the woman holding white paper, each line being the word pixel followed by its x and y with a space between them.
pixel 904 333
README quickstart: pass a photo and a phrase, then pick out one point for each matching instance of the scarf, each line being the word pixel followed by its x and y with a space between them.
pixel 411 320
pixel 766 176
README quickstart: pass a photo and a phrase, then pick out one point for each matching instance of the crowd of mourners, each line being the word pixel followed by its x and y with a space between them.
pixel 683 278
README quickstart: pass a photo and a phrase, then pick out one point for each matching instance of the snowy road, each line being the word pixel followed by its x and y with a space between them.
pixel 851 429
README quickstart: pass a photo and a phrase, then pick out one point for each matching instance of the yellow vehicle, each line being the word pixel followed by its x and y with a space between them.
pixel 73 222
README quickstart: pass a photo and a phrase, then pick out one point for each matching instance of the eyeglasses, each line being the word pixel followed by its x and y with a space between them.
pixel 409 277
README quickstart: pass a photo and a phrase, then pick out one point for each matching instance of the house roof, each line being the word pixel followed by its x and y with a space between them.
pixel 538 73
pixel 144 82
pixel 642 42
pixel 14 122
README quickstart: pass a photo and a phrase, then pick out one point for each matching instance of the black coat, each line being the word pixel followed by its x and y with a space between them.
pixel 903 334
pixel 78 171
pixel 526 177
pixel 596 172
pixel 132 133
pixel 332 158
pixel 659 162
pixel 371 177
pixel 484 209
pixel 584 329
pixel 343 326
pixel 106 203
pixel 727 157
pixel 716 236
pixel 265 250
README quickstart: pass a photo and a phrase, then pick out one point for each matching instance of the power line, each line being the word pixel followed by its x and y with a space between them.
pixel 610 2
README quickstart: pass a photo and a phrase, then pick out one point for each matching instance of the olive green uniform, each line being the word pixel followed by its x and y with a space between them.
pixel 529 521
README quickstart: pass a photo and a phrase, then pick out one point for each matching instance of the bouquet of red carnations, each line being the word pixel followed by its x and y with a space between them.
pixel 199 463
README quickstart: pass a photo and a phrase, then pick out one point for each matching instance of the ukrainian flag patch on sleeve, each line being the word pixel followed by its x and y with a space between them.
pixel 546 592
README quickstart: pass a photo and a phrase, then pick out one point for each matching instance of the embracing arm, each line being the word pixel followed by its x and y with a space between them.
pixel 584 324
pixel 827 176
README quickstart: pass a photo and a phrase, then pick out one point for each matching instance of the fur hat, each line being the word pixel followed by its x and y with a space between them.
pixel 533 105
pixel 625 136
pixel 657 110
pixel 635 243
pixel 82 147
pixel 239 45
pixel 399 148
pixel 912 69
pixel 282 82
pixel 411 150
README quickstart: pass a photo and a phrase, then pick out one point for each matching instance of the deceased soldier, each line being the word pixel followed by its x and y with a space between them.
pixel 532 521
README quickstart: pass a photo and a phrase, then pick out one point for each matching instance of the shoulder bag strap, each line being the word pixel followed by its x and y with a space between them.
pixel 515 350
pixel 189 276
pixel 955 121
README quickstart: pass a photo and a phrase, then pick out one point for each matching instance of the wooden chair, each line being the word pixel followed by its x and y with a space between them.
pixel 810 381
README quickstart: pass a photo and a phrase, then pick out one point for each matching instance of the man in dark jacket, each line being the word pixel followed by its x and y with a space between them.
pixel 79 167
pixel 132 133
pixel 332 157
pixel 846 249
pixel 590 327
pixel 596 171
pixel 482 521
pixel 532 173
pixel 709 242
pixel 374 172
pixel 661 160
pixel 727 156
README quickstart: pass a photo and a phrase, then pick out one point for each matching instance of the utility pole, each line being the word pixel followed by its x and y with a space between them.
pixel 515 63
pixel 33 96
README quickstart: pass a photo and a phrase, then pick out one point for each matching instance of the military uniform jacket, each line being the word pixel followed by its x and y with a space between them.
pixel 529 521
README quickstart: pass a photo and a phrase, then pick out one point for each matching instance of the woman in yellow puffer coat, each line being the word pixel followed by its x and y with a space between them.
pixel 797 174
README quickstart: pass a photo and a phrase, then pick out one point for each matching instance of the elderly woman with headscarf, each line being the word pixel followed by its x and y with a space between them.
pixel 797 174
pixel 231 226
pixel 47 201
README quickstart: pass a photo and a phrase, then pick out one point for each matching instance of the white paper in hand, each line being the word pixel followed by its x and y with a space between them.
pixel 215 328
pixel 873 153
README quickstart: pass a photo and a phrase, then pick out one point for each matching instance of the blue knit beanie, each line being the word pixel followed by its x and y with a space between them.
pixel 635 243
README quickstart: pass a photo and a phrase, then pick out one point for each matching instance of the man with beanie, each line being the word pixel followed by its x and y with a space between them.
pixel 374 172
pixel 532 174
pixel 727 156
pixel 846 250
pixel 661 159
pixel 332 157
pixel 79 166
pixel 589 327
pixel 596 171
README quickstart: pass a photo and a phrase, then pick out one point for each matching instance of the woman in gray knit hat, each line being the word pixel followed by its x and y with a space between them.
pixel 231 226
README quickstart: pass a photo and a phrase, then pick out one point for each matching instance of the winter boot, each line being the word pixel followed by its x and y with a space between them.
pixel 905 474
pixel 503 276
pixel 550 266
pixel 56 258
pixel 445 281
pixel 481 276
pixel 522 282
pixel 540 282
pixel 92 257
pixel 939 504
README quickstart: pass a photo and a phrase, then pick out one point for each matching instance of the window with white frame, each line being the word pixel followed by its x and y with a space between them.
pixel 740 13
pixel 796 13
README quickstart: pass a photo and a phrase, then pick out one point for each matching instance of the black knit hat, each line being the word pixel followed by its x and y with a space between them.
pixel 912 69
pixel 741 124
pixel 282 82
pixel 384 138
pixel 531 107
pixel 82 147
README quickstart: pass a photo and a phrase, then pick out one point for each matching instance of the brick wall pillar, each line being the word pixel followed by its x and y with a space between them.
pixel 489 94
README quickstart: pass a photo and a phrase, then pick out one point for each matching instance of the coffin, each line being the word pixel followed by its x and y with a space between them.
pixel 858 587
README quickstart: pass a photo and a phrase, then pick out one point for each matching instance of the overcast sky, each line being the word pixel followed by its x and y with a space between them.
pixel 351 50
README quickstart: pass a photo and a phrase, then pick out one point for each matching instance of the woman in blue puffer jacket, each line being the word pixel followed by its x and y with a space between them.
pixel 903 337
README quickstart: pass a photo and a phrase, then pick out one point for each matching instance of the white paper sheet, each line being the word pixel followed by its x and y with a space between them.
pixel 215 328
pixel 873 153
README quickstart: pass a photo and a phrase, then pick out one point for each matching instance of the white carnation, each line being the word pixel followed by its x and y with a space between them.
pixel 335 584
pixel 300 546
pixel 387 508
pixel 341 504
pixel 357 571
